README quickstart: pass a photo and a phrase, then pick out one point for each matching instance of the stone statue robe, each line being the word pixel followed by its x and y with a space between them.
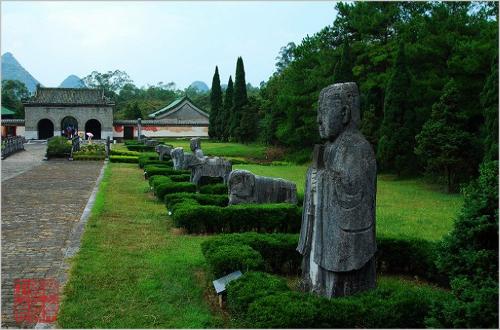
pixel 338 223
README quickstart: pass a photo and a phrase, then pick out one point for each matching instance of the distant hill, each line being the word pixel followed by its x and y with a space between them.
pixel 200 86
pixel 72 82
pixel 13 70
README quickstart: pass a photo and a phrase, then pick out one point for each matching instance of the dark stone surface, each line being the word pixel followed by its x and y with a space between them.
pixel 246 187
pixel 163 150
pixel 337 237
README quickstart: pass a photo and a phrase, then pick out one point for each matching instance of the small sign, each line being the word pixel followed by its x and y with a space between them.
pixel 220 284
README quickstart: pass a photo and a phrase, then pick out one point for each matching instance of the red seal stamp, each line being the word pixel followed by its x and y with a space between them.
pixel 36 300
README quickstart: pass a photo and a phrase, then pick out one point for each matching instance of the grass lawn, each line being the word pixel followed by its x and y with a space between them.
pixel 228 149
pixel 132 270
pixel 404 207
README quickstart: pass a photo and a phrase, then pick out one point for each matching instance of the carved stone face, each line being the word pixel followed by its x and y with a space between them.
pixel 241 185
pixel 177 156
pixel 338 107
pixel 195 143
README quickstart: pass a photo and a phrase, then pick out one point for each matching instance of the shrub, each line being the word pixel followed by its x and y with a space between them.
pixel 93 148
pixel 180 177
pixel 58 146
pixel 228 258
pixel 251 286
pixel 169 187
pixel 124 153
pixel 132 142
pixel 88 157
pixel 143 163
pixel 139 147
pixel 217 188
pixel 147 156
pixel 196 218
pixel 277 250
pixel 203 199
pixel 123 159
pixel 151 170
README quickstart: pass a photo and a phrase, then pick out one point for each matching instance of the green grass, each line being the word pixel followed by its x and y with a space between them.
pixel 132 271
pixel 410 208
pixel 228 149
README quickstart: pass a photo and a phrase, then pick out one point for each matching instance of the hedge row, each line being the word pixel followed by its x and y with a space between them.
pixel 197 218
pixel 150 170
pixel 217 189
pixel 147 156
pixel 412 257
pixel 123 159
pixel 275 253
pixel 124 153
pixel 259 300
pixel 171 200
pixel 139 147
pixel 156 162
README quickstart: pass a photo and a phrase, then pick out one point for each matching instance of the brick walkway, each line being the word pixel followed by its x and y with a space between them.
pixel 39 209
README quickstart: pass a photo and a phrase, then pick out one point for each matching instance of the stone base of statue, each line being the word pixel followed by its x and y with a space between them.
pixel 337 284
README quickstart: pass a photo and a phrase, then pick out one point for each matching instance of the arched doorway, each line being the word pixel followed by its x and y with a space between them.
pixel 93 126
pixel 45 129
pixel 69 126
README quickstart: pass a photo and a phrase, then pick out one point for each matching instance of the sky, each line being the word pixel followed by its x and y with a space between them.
pixel 156 41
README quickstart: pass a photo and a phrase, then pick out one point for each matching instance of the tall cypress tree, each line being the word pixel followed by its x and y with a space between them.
pixel 240 98
pixel 225 116
pixel 397 141
pixel 489 103
pixel 343 69
pixel 214 129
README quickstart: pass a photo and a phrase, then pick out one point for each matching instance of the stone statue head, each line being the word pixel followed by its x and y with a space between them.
pixel 195 143
pixel 241 185
pixel 177 155
pixel 338 109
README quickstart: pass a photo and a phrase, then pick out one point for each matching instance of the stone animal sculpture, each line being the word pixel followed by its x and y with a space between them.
pixel 163 150
pixel 214 167
pixel 246 187
pixel 151 143
pixel 184 161
pixel 195 146
pixel 337 237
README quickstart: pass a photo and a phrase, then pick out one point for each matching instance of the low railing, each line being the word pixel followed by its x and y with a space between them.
pixel 11 145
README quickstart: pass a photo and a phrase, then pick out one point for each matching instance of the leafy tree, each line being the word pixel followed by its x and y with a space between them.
pixel 469 255
pixel 249 120
pixel 225 116
pixel 133 111
pixel 240 99
pixel 214 129
pixel 369 126
pixel 444 145
pixel 285 56
pixel 111 82
pixel 397 141
pixel 343 69
pixel 489 103
pixel 13 92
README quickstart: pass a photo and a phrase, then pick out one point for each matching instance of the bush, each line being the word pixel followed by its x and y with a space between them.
pixel 124 153
pixel 132 142
pixel 151 170
pixel 93 148
pixel 169 187
pixel 123 159
pixel 147 156
pixel 156 162
pixel 203 199
pixel 180 178
pixel 58 146
pixel 229 258
pixel 251 286
pixel 139 147
pixel 217 188
pixel 393 304
pixel 277 250
pixel 196 218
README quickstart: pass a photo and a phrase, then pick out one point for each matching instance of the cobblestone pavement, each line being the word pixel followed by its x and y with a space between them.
pixel 39 209
pixel 23 161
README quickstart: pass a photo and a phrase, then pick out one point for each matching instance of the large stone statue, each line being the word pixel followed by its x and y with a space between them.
pixel 337 238
pixel 163 150
pixel 214 167
pixel 195 146
pixel 245 187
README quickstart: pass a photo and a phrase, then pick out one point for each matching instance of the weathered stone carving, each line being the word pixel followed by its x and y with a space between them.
pixel 182 160
pixel 151 143
pixel 195 146
pixel 214 167
pixel 337 238
pixel 163 150
pixel 246 187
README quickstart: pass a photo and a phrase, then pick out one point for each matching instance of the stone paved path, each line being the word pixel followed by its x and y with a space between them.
pixel 39 209
pixel 23 161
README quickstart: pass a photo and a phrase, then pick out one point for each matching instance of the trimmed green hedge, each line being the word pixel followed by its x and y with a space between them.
pixel 156 162
pixel 260 301
pixel 167 186
pixel 150 170
pixel 147 156
pixel 124 153
pixel 196 218
pixel 278 251
pixel 171 200
pixel 123 159
pixel 411 257
pixel 58 146
pixel 216 188
pixel 139 147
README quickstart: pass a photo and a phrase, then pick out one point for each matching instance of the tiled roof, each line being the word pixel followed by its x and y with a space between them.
pixel 7 111
pixel 15 122
pixel 161 122
pixel 172 107
pixel 68 96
